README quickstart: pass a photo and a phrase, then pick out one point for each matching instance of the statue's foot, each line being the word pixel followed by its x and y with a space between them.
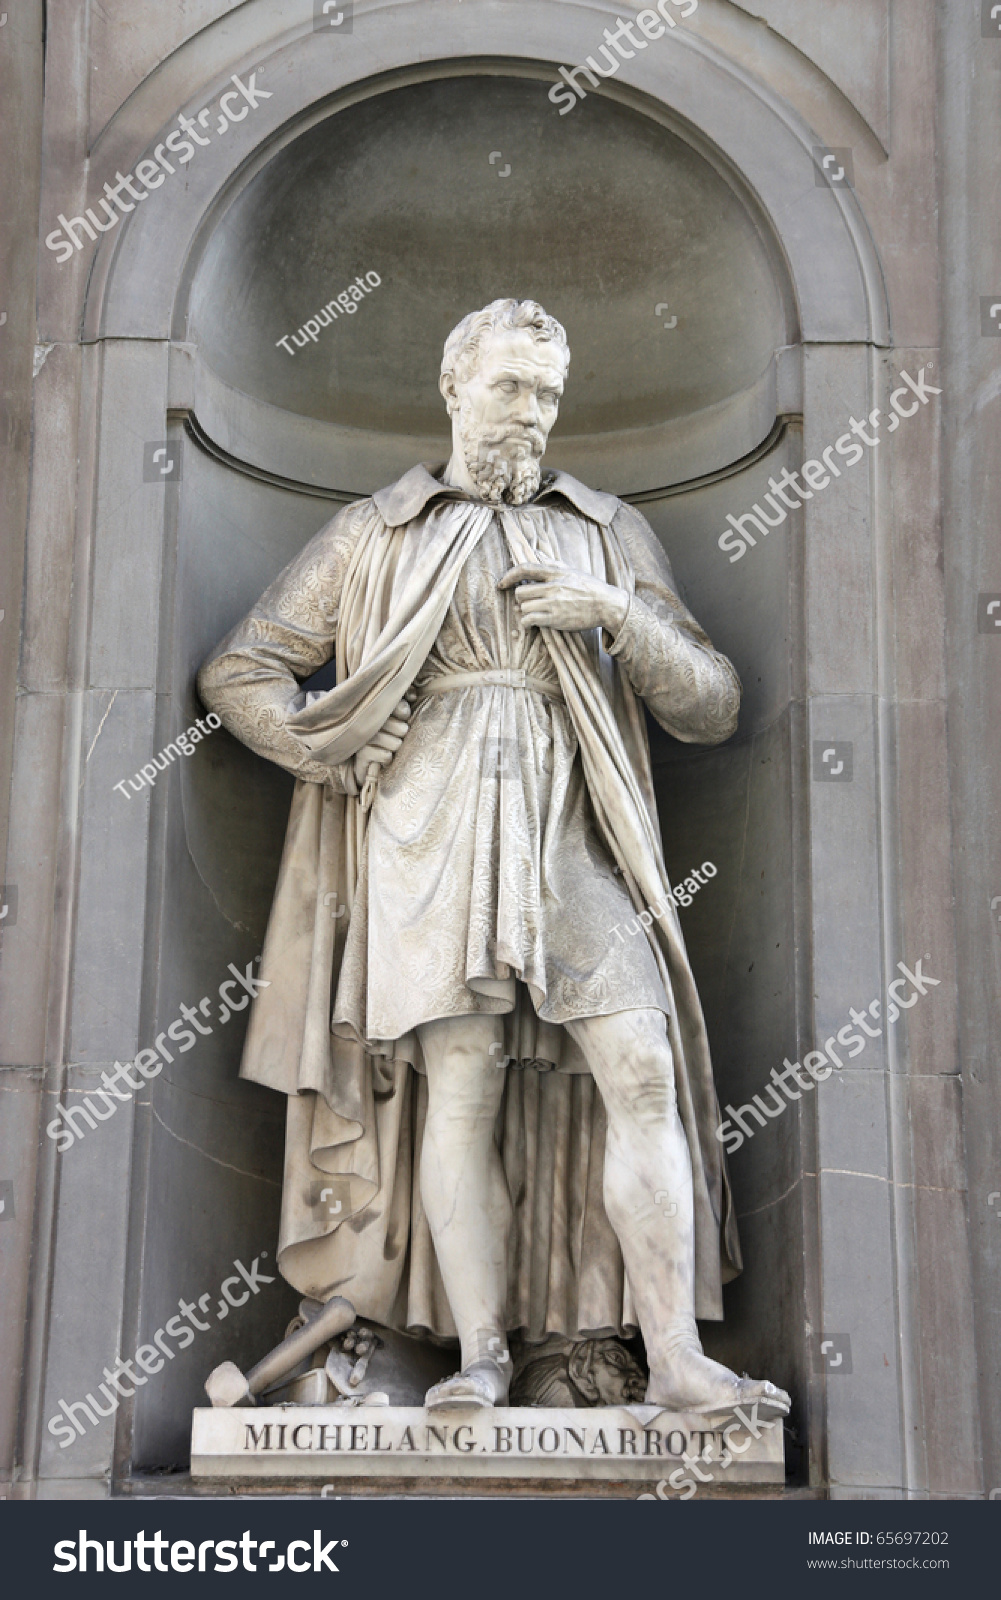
pixel 482 1384
pixel 690 1381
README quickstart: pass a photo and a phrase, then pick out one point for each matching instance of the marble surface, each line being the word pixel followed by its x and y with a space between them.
pixel 611 1443
pixel 921 1412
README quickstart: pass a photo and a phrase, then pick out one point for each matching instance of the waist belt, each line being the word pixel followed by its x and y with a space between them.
pixel 495 677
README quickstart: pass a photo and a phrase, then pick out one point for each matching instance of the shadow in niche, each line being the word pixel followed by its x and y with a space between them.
pixel 602 222
pixel 733 806
pixel 604 217
pixel 215 1156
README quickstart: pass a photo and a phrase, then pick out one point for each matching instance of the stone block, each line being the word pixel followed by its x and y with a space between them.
pixel 20 1111
pixel 640 1444
pixel 33 855
pixel 118 738
pixel 87 1314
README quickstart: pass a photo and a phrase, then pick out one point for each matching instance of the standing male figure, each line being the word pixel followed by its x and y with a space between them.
pixel 477 791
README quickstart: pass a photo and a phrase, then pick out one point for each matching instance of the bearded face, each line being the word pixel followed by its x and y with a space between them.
pixel 505 460
pixel 503 411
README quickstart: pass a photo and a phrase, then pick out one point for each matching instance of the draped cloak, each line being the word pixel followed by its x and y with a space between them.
pixel 371 590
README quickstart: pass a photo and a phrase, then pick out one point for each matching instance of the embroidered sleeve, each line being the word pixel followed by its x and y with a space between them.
pixel 692 690
pixel 252 679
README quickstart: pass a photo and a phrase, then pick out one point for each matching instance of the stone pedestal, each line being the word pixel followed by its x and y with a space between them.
pixel 637 1443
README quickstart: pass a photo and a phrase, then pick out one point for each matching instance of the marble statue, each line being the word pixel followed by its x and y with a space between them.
pixel 488 1094
pixel 577 1372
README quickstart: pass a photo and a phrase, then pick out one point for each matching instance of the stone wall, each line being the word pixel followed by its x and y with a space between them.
pixel 697 179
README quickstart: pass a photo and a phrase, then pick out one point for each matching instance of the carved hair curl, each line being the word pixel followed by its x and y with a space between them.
pixel 465 342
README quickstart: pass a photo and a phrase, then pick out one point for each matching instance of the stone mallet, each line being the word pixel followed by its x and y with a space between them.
pixel 226 1384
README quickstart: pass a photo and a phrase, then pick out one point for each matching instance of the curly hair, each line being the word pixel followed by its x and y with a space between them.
pixel 465 342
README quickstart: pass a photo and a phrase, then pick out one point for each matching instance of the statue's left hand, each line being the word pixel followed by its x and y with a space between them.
pixel 552 596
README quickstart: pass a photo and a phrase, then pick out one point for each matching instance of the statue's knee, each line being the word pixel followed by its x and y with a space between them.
pixel 652 1097
pixel 463 1099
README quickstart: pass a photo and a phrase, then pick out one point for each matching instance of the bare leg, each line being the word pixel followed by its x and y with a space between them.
pixel 648 1197
pixel 466 1200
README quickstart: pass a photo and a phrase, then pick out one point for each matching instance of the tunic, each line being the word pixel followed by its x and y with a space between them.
pixel 483 863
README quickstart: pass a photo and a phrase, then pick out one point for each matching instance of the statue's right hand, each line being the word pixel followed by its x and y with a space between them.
pixel 374 757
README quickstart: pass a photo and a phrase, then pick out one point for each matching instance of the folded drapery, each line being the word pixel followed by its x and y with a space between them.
pixel 356 1109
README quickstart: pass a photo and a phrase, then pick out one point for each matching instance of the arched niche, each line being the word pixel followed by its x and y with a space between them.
pixel 456 190
pixel 264 467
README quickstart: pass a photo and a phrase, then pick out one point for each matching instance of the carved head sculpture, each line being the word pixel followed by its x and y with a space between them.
pixel 502 375
pixel 604 1371
pixel 588 1372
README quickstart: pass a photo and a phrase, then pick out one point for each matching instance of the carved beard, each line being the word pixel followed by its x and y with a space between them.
pixel 498 461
